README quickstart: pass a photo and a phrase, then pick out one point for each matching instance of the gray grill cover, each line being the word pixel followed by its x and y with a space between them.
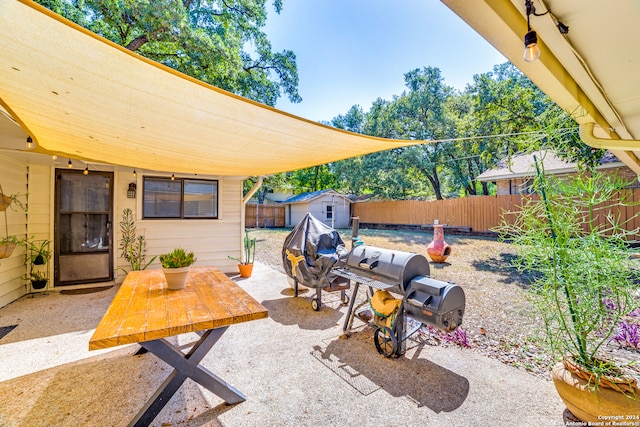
pixel 310 251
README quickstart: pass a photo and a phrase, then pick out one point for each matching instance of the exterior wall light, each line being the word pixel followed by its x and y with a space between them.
pixel 131 192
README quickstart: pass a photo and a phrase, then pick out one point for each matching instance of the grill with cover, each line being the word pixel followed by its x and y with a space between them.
pixel 309 254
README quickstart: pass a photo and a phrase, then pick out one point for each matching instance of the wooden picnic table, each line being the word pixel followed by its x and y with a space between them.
pixel 144 311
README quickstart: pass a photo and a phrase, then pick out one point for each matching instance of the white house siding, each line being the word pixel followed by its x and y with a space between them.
pixel 40 215
pixel 13 175
pixel 212 241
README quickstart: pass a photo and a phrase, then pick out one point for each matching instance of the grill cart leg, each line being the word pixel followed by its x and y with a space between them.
pixel 348 321
pixel 295 287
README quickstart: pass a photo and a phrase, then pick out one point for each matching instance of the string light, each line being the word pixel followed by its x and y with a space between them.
pixel 86 170
pixel 70 165
pixel 173 177
pixel 134 173
pixel 29 143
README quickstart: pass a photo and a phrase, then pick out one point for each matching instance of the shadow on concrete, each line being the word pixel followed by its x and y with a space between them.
pixel 419 380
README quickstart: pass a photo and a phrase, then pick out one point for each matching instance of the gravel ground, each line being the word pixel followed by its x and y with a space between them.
pixel 499 321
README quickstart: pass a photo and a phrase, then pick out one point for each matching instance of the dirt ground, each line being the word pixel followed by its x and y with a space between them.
pixel 499 321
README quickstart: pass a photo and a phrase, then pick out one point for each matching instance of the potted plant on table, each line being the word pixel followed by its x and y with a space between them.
pixel 584 287
pixel 249 248
pixel 175 266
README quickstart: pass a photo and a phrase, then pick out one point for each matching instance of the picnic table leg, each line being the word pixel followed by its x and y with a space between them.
pixel 185 366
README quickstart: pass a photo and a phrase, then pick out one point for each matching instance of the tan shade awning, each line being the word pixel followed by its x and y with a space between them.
pixel 81 96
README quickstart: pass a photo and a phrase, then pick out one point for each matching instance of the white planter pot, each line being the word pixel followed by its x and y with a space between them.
pixel 176 277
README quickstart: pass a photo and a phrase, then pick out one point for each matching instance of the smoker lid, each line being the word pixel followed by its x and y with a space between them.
pixel 310 251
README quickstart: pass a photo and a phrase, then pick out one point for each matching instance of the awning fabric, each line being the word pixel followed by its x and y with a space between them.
pixel 80 96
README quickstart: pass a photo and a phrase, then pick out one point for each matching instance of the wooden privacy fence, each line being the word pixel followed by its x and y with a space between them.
pixel 264 216
pixel 480 213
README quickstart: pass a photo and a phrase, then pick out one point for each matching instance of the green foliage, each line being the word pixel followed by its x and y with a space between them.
pixel 37 276
pixel 220 42
pixel 584 275
pixel 133 248
pixel 38 251
pixel 249 248
pixel 177 259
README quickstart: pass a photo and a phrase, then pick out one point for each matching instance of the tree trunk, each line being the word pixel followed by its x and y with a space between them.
pixel 435 182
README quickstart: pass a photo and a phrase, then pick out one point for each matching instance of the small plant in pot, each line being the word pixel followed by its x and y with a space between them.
pixel 249 248
pixel 7 245
pixel 584 287
pixel 38 279
pixel 175 265
pixel 39 252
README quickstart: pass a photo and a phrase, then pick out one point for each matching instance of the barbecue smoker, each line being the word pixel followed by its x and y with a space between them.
pixel 425 300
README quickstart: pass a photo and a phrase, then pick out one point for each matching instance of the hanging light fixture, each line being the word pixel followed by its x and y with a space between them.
pixel 531 49
pixel 86 170
pixel 70 165
pixel 29 143
pixel 173 177
pixel 134 173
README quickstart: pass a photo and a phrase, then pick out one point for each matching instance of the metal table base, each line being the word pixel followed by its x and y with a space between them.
pixel 185 366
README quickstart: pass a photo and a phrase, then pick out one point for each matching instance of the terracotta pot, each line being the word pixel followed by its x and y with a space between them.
pixel 587 404
pixel 245 270
pixel 438 250
pixel 176 277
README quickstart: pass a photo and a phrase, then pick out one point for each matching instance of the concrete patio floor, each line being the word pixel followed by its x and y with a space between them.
pixel 293 367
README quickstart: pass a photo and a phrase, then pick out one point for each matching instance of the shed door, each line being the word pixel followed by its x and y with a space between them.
pixel 83 236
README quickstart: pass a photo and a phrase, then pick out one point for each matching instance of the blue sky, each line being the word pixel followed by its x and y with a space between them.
pixel 354 51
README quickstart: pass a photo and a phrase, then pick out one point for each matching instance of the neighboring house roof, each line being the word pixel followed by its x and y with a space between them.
pixel 522 165
pixel 308 197
pixel 590 72
pixel 81 96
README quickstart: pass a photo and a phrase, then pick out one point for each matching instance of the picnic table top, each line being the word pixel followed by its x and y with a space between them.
pixel 144 309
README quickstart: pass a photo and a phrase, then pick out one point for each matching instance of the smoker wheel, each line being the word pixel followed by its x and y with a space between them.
pixel 385 341
pixel 315 304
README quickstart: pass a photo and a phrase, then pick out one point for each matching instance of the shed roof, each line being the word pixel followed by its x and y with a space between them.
pixel 81 96
pixel 308 197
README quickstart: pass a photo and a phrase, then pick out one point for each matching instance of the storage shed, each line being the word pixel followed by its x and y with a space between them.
pixel 329 206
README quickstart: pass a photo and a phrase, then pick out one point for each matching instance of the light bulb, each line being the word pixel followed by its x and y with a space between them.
pixel 86 170
pixel 29 143
pixel 70 165
pixel 531 49
pixel 134 173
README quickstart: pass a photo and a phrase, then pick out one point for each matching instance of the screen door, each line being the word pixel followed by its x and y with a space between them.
pixel 83 227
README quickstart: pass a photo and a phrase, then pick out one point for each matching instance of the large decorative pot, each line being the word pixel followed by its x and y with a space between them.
pixel 592 405
pixel 438 250
pixel 176 277
pixel 245 270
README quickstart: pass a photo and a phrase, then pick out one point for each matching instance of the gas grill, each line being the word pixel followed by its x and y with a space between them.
pixel 425 300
